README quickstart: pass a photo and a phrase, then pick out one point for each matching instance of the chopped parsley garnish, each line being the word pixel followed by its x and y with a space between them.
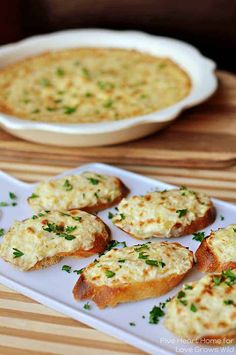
pixel 1 232
pixel 88 94
pixel 132 324
pixel 36 111
pixel 60 72
pixel 199 236
pixel 17 253
pixel 14 204
pixel 142 255
pixel 112 244
pixel 66 268
pixel 217 280
pixel 12 196
pixel 110 215
pixel 34 216
pixel 155 314
pixel 85 72
pixel 230 277
pixel 141 247
pixel 67 185
pixel 155 262
pixel 181 294
pixel 71 229
pixel 188 287
pixel 105 85
pixel 222 217
pixel 93 181
pixel 184 302
pixel 34 195
pixel 234 229
pixel 122 216
pixel 109 273
pixel 78 272
pixel 41 214
pixel 228 302
pixel 108 103
pixel 69 110
pixel 3 204
pixel 182 213
pixel 96 195
pixel 78 218
pixel 66 236
pixel 193 308
pixel 45 82
pixel 87 306
pixel 121 261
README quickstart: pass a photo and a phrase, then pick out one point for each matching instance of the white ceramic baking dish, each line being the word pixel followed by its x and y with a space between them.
pixel 199 68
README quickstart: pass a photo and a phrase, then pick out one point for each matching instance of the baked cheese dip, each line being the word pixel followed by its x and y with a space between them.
pixel 90 85
pixel 205 309
pixel 89 191
pixel 168 213
pixel 49 235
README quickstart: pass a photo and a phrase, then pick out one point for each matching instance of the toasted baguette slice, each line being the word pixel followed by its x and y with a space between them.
pixel 133 273
pixel 88 191
pixel 171 213
pixel 45 239
pixel 217 252
pixel 205 311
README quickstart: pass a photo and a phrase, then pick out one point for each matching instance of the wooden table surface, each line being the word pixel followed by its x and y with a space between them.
pixel 26 327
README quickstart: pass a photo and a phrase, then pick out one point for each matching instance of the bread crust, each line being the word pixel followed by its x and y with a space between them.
pixel 207 261
pixel 105 296
pixel 110 296
pixel 124 191
pixel 195 226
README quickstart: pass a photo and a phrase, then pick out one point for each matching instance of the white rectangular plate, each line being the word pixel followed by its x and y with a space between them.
pixel 53 287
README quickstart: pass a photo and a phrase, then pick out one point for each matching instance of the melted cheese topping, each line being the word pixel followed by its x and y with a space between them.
pixel 129 264
pixel 223 243
pixel 30 237
pixel 211 316
pixel 91 85
pixel 158 213
pixel 75 191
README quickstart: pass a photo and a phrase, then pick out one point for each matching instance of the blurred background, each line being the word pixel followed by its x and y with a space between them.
pixel 209 25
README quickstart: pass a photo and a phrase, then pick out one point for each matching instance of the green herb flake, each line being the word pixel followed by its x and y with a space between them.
pixel 142 255
pixel 234 229
pixel 78 272
pixel 122 216
pixel 228 302
pixel 193 308
pixel 14 204
pixel 183 302
pixel 188 287
pixel 67 185
pixel 155 314
pixel 45 82
pixel 60 72
pixel 71 229
pixel 66 236
pixel 17 253
pixel 78 218
pixel 34 216
pixel 110 215
pixel 85 72
pixel 132 324
pixel 181 294
pixel 141 247
pixel 87 306
pixel 34 195
pixel 3 204
pixel 155 263
pixel 93 181
pixel 109 273
pixel 217 280
pixel 108 103
pixel 222 217
pixel 121 261
pixel 2 231
pixel 182 213
pixel 12 196
pixel 199 236
pixel 66 268
pixel 69 110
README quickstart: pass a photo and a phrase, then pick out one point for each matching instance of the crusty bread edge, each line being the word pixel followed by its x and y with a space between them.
pixel 195 226
pixel 228 338
pixel 106 296
pixel 207 260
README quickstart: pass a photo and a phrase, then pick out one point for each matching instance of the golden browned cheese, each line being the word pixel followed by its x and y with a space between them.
pixel 90 85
